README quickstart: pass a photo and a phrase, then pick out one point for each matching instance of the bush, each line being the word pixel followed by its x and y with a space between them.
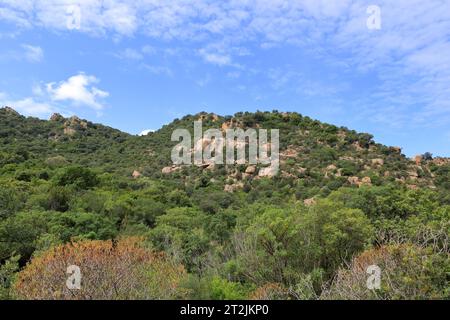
pixel 109 270
pixel 79 177
pixel 407 272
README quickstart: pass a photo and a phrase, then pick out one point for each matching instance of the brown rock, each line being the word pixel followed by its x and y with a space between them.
pixel 353 180
pixel 396 149
pixel 377 162
pixel 250 170
pixel 56 117
pixel 418 159
pixel 309 202
pixel 167 170
pixel 366 181
pixel 136 174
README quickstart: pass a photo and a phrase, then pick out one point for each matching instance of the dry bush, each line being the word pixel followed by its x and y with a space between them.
pixel 109 270
pixel 407 272
pixel 270 291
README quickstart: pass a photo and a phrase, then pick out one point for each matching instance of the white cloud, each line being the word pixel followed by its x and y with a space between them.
pixel 79 90
pixel 28 106
pixel 146 132
pixel 408 55
pixel 158 70
pixel 33 53
pixel 215 58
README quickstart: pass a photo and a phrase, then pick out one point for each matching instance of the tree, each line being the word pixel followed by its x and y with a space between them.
pixel 79 177
pixel 286 245
pixel 111 270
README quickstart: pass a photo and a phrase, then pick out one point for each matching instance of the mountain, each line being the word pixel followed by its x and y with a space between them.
pixel 321 155
pixel 339 201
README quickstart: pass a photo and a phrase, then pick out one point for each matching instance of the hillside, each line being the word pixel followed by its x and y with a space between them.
pixel 322 156
pixel 236 232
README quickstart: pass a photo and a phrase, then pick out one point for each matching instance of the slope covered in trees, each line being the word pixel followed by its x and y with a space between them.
pixel 340 203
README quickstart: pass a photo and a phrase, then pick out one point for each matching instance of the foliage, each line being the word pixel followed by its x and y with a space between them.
pixel 110 270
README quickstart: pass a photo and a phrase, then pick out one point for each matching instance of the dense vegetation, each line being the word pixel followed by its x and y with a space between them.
pixel 74 192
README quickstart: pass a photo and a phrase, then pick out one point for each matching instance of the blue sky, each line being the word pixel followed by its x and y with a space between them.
pixel 136 65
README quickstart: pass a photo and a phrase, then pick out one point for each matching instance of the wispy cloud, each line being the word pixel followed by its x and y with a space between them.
pixel 33 53
pixel 406 58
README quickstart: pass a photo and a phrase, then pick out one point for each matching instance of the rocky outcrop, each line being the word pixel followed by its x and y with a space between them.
pixel 396 149
pixel 57 117
pixel 74 125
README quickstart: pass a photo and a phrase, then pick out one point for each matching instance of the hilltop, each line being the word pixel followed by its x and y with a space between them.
pixel 322 156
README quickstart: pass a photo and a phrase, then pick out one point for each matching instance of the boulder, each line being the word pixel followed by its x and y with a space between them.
pixel 136 174
pixel 353 180
pixel 366 181
pixel 57 117
pixel 377 162
pixel 309 202
pixel 418 159
pixel 250 170
pixel 167 170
